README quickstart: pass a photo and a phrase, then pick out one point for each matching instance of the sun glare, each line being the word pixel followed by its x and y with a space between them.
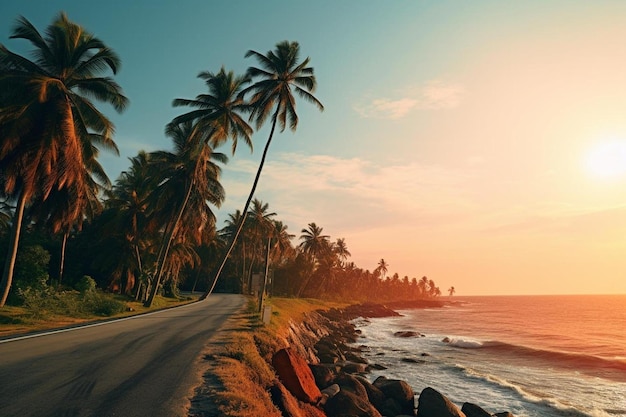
pixel 608 159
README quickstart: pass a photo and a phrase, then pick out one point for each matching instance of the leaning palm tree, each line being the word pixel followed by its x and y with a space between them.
pixel 48 124
pixel 280 74
pixel 190 181
pixel 216 119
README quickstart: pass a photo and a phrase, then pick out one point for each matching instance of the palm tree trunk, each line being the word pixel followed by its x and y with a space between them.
pixel 195 282
pixel 166 249
pixel 9 262
pixel 247 206
pixel 62 264
pixel 267 269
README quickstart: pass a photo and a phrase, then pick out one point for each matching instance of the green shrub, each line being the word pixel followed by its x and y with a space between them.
pixel 85 284
pixel 38 302
pixel 100 304
pixel 31 272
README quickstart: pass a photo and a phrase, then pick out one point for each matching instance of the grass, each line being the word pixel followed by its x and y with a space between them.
pixel 20 320
pixel 241 362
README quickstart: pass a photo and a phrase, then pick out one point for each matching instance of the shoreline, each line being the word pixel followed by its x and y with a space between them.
pixel 339 371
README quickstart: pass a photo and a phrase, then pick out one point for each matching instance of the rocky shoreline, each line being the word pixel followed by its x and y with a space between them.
pixel 322 373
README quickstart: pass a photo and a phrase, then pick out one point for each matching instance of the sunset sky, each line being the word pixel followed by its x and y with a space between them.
pixel 481 144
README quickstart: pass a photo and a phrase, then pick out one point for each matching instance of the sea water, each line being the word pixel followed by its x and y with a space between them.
pixel 535 356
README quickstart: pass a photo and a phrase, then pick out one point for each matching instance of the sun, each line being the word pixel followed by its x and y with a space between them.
pixel 607 159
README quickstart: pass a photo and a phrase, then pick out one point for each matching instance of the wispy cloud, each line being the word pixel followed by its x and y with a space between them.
pixel 437 95
pixel 432 95
pixel 352 193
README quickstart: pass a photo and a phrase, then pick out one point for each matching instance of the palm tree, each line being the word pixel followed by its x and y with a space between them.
pixel 279 76
pixel 341 250
pixel 282 249
pixel 128 204
pixel 314 243
pixel 190 180
pixel 260 226
pixel 382 268
pixel 49 126
pixel 451 291
pixel 423 286
pixel 216 119
pixel 218 113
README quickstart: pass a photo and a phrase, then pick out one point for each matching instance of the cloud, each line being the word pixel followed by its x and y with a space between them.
pixel 440 95
pixel 432 95
pixel 352 193
pixel 383 108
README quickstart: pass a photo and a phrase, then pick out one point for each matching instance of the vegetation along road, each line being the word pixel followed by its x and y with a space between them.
pixel 140 366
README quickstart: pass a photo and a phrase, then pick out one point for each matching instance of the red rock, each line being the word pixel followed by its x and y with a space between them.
pixel 296 375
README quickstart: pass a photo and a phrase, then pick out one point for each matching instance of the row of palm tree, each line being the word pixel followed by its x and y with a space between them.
pixel 154 227
pixel 52 132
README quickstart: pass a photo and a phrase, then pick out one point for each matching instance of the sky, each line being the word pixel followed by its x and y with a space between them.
pixel 481 144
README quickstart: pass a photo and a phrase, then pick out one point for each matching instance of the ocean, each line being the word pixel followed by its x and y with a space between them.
pixel 535 356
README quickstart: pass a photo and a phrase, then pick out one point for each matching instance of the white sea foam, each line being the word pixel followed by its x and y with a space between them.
pixel 499 367
pixel 463 343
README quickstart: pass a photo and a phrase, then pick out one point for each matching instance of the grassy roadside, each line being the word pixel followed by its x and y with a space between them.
pixel 238 373
pixel 20 320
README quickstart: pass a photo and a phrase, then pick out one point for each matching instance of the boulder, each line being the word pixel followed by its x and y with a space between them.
pixel 323 375
pixel 375 395
pixel 503 414
pixel 354 368
pixel 331 391
pixel 472 410
pixel 352 384
pixel 433 404
pixel 400 391
pixel 346 403
pixel 296 375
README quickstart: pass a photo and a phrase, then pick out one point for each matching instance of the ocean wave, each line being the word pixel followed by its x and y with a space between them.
pixel 614 368
pixel 463 343
pixel 538 399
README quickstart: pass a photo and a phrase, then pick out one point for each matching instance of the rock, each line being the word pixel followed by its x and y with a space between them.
pixel 352 384
pixel 346 403
pixel 331 390
pixel 374 395
pixel 323 375
pixel 406 333
pixel 432 404
pixel 503 414
pixel 354 368
pixel 376 366
pixel 472 410
pixel 412 360
pixel 399 391
pixel 296 375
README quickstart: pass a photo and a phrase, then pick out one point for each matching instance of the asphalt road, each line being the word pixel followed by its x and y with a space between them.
pixel 143 366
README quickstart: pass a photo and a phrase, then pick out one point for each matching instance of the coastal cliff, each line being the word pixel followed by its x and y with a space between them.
pixel 319 371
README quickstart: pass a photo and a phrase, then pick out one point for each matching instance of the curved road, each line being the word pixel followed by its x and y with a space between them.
pixel 140 366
